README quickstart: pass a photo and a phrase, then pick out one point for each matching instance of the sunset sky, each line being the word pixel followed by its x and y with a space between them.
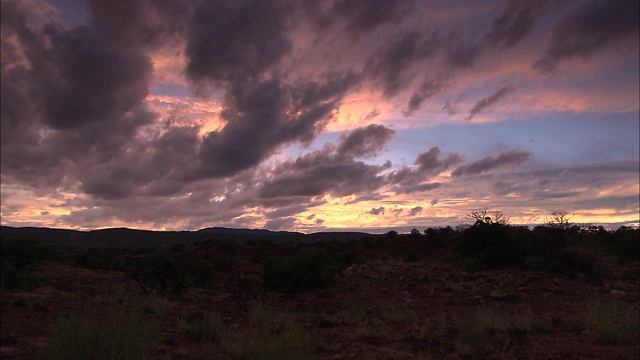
pixel 318 115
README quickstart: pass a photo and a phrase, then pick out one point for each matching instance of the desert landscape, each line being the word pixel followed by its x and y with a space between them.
pixel 356 296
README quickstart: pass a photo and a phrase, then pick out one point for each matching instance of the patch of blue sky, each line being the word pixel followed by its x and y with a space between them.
pixel 170 89
pixel 555 138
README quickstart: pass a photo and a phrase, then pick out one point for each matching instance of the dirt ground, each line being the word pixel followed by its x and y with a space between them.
pixel 383 308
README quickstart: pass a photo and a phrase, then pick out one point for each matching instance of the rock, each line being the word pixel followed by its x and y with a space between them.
pixel 618 293
pixel 499 295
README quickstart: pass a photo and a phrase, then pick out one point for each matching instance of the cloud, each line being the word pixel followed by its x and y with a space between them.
pixel 235 41
pixel 331 170
pixel 391 64
pixel 361 17
pixel 515 22
pixel 280 224
pixel 271 114
pixel 367 197
pixel 415 211
pixel 428 89
pixel 588 27
pixel 491 162
pixel 139 23
pixel 78 79
pixel 489 101
pixel 364 142
pixel 376 211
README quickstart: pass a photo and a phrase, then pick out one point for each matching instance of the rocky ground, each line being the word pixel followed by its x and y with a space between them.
pixel 382 308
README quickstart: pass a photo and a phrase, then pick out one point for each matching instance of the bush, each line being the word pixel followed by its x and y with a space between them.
pixel 583 261
pixel 312 269
pixel 204 327
pixel 271 336
pixel 103 259
pixel 119 332
pixel 611 322
pixel 411 255
pixel 161 273
pixel 178 247
pixel 18 259
pixel 474 264
pixel 202 273
pixel 627 247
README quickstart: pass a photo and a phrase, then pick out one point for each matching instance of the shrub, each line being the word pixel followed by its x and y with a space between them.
pixel 411 255
pixel 161 273
pixel 270 336
pixel 474 264
pixel 121 331
pixel 18 258
pixel 312 269
pixel 178 247
pixel 489 330
pixel 584 261
pixel 103 259
pixel 536 263
pixel 204 327
pixel 627 247
pixel 611 322
pixel 201 273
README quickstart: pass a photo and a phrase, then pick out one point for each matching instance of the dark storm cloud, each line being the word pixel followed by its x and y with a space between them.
pixel 415 211
pixel 368 197
pixel 489 101
pixel 322 172
pixel 460 53
pixel 333 169
pixel 390 64
pixel 81 80
pixel 70 101
pixel 491 162
pixel 364 142
pixel 280 224
pixel 516 21
pixel 364 16
pixel 133 23
pixel 588 27
pixel 263 115
pixel 286 211
pixel 427 165
pixel 236 40
pixel 429 88
pixel 430 162
pixel 376 211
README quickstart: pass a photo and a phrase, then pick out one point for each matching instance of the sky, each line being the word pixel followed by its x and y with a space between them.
pixel 328 115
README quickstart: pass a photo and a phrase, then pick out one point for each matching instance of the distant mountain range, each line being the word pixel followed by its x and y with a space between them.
pixel 131 238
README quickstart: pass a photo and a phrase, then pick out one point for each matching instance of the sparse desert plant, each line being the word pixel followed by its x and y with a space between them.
pixel 485 330
pixel 105 259
pixel 119 329
pixel 270 336
pixel 202 326
pixel 201 272
pixel 611 321
pixel 474 264
pixel 160 272
pixel 312 269
pixel 18 258
pixel 411 255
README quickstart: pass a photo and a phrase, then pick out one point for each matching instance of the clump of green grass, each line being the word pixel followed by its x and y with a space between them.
pixel 118 329
pixel 612 322
pixel 270 336
pixel 205 327
pixel 488 330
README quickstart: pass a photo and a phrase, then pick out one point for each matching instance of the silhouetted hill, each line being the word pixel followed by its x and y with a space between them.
pixel 131 238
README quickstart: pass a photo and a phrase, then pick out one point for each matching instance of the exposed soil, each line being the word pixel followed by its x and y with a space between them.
pixel 384 308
